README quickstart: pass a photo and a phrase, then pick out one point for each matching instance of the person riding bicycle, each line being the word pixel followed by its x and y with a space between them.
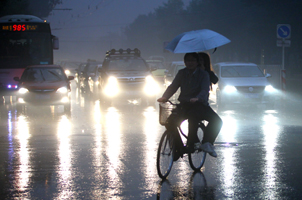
pixel 194 83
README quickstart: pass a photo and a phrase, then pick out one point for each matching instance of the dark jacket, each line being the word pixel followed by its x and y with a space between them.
pixel 213 77
pixel 192 85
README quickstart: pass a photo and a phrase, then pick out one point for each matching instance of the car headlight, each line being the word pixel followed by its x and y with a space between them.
pixel 23 90
pixel 230 89
pixel 62 90
pixel 111 89
pixel 67 72
pixel 270 88
pixel 151 86
pixel 149 79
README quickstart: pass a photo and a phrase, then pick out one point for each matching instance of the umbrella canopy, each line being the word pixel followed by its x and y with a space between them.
pixel 196 41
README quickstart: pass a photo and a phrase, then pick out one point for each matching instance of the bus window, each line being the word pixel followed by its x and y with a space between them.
pixel 29 49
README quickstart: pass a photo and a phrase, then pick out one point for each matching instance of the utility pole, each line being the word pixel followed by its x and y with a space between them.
pixel 283 34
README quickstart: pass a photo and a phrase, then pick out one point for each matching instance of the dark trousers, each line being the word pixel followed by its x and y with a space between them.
pixel 194 112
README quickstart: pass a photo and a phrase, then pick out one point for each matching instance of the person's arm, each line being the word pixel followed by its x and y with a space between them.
pixel 213 77
pixel 173 87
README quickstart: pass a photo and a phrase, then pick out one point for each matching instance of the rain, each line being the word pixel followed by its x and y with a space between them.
pixel 79 117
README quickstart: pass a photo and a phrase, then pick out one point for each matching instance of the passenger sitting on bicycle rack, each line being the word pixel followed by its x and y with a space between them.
pixel 194 84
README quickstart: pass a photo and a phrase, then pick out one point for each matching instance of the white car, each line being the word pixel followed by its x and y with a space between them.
pixel 242 83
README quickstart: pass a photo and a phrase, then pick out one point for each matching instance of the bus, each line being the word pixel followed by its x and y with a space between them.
pixel 24 40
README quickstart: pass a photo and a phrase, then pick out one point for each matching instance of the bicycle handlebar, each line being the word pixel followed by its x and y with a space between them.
pixel 174 104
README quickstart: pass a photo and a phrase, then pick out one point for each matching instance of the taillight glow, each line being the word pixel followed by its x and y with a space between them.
pixel 12 86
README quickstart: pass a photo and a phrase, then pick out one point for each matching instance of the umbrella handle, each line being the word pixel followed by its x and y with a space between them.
pixel 214 50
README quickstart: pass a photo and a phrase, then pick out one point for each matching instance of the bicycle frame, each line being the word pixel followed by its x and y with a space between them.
pixel 165 160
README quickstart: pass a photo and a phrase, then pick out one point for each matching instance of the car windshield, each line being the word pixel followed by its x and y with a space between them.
pixel 92 68
pixel 241 71
pixel 43 74
pixel 22 49
pixel 157 65
pixel 127 64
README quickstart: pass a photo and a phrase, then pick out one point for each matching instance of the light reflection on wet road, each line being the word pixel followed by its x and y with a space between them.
pixel 101 153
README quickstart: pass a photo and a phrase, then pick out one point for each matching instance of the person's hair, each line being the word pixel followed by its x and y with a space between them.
pixel 205 57
pixel 206 60
pixel 195 55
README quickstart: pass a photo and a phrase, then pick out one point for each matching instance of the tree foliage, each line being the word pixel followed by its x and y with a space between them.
pixel 251 25
pixel 39 8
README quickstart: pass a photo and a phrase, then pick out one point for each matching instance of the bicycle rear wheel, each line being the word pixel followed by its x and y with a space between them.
pixel 164 159
pixel 198 157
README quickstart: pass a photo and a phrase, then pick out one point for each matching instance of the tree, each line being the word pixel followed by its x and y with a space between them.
pixel 249 24
pixel 39 8
pixel 149 32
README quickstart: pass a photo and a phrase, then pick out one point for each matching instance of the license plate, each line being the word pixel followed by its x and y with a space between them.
pixel 252 96
pixel 42 96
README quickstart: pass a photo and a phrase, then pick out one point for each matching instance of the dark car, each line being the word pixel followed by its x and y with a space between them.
pixel 44 85
pixel 125 73
pixel 70 67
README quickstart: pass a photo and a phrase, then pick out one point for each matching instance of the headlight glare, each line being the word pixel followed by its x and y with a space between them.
pixel 111 89
pixel 149 79
pixel 23 90
pixel 67 72
pixel 230 89
pixel 62 90
pixel 270 88
pixel 151 87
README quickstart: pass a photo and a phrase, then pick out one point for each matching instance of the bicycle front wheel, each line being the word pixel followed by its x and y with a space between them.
pixel 164 159
pixel 198 157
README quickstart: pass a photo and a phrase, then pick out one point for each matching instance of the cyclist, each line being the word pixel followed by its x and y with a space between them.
pixel 194 83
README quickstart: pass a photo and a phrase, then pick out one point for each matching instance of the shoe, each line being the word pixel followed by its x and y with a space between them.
pixel 209 148
pixel 213 154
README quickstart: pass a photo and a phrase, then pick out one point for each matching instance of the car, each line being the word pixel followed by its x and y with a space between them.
pixel 70 67
pixel 44 85
pixel 125 73
pixel 243 83
pixel 170 74
pixel 158 69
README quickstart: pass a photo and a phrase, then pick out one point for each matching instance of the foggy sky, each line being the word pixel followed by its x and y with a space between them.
pixel 87 21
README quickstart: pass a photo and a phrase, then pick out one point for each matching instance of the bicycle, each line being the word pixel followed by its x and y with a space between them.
pixel 166 148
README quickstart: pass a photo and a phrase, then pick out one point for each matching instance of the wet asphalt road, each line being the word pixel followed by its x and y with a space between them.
pixel 110 153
